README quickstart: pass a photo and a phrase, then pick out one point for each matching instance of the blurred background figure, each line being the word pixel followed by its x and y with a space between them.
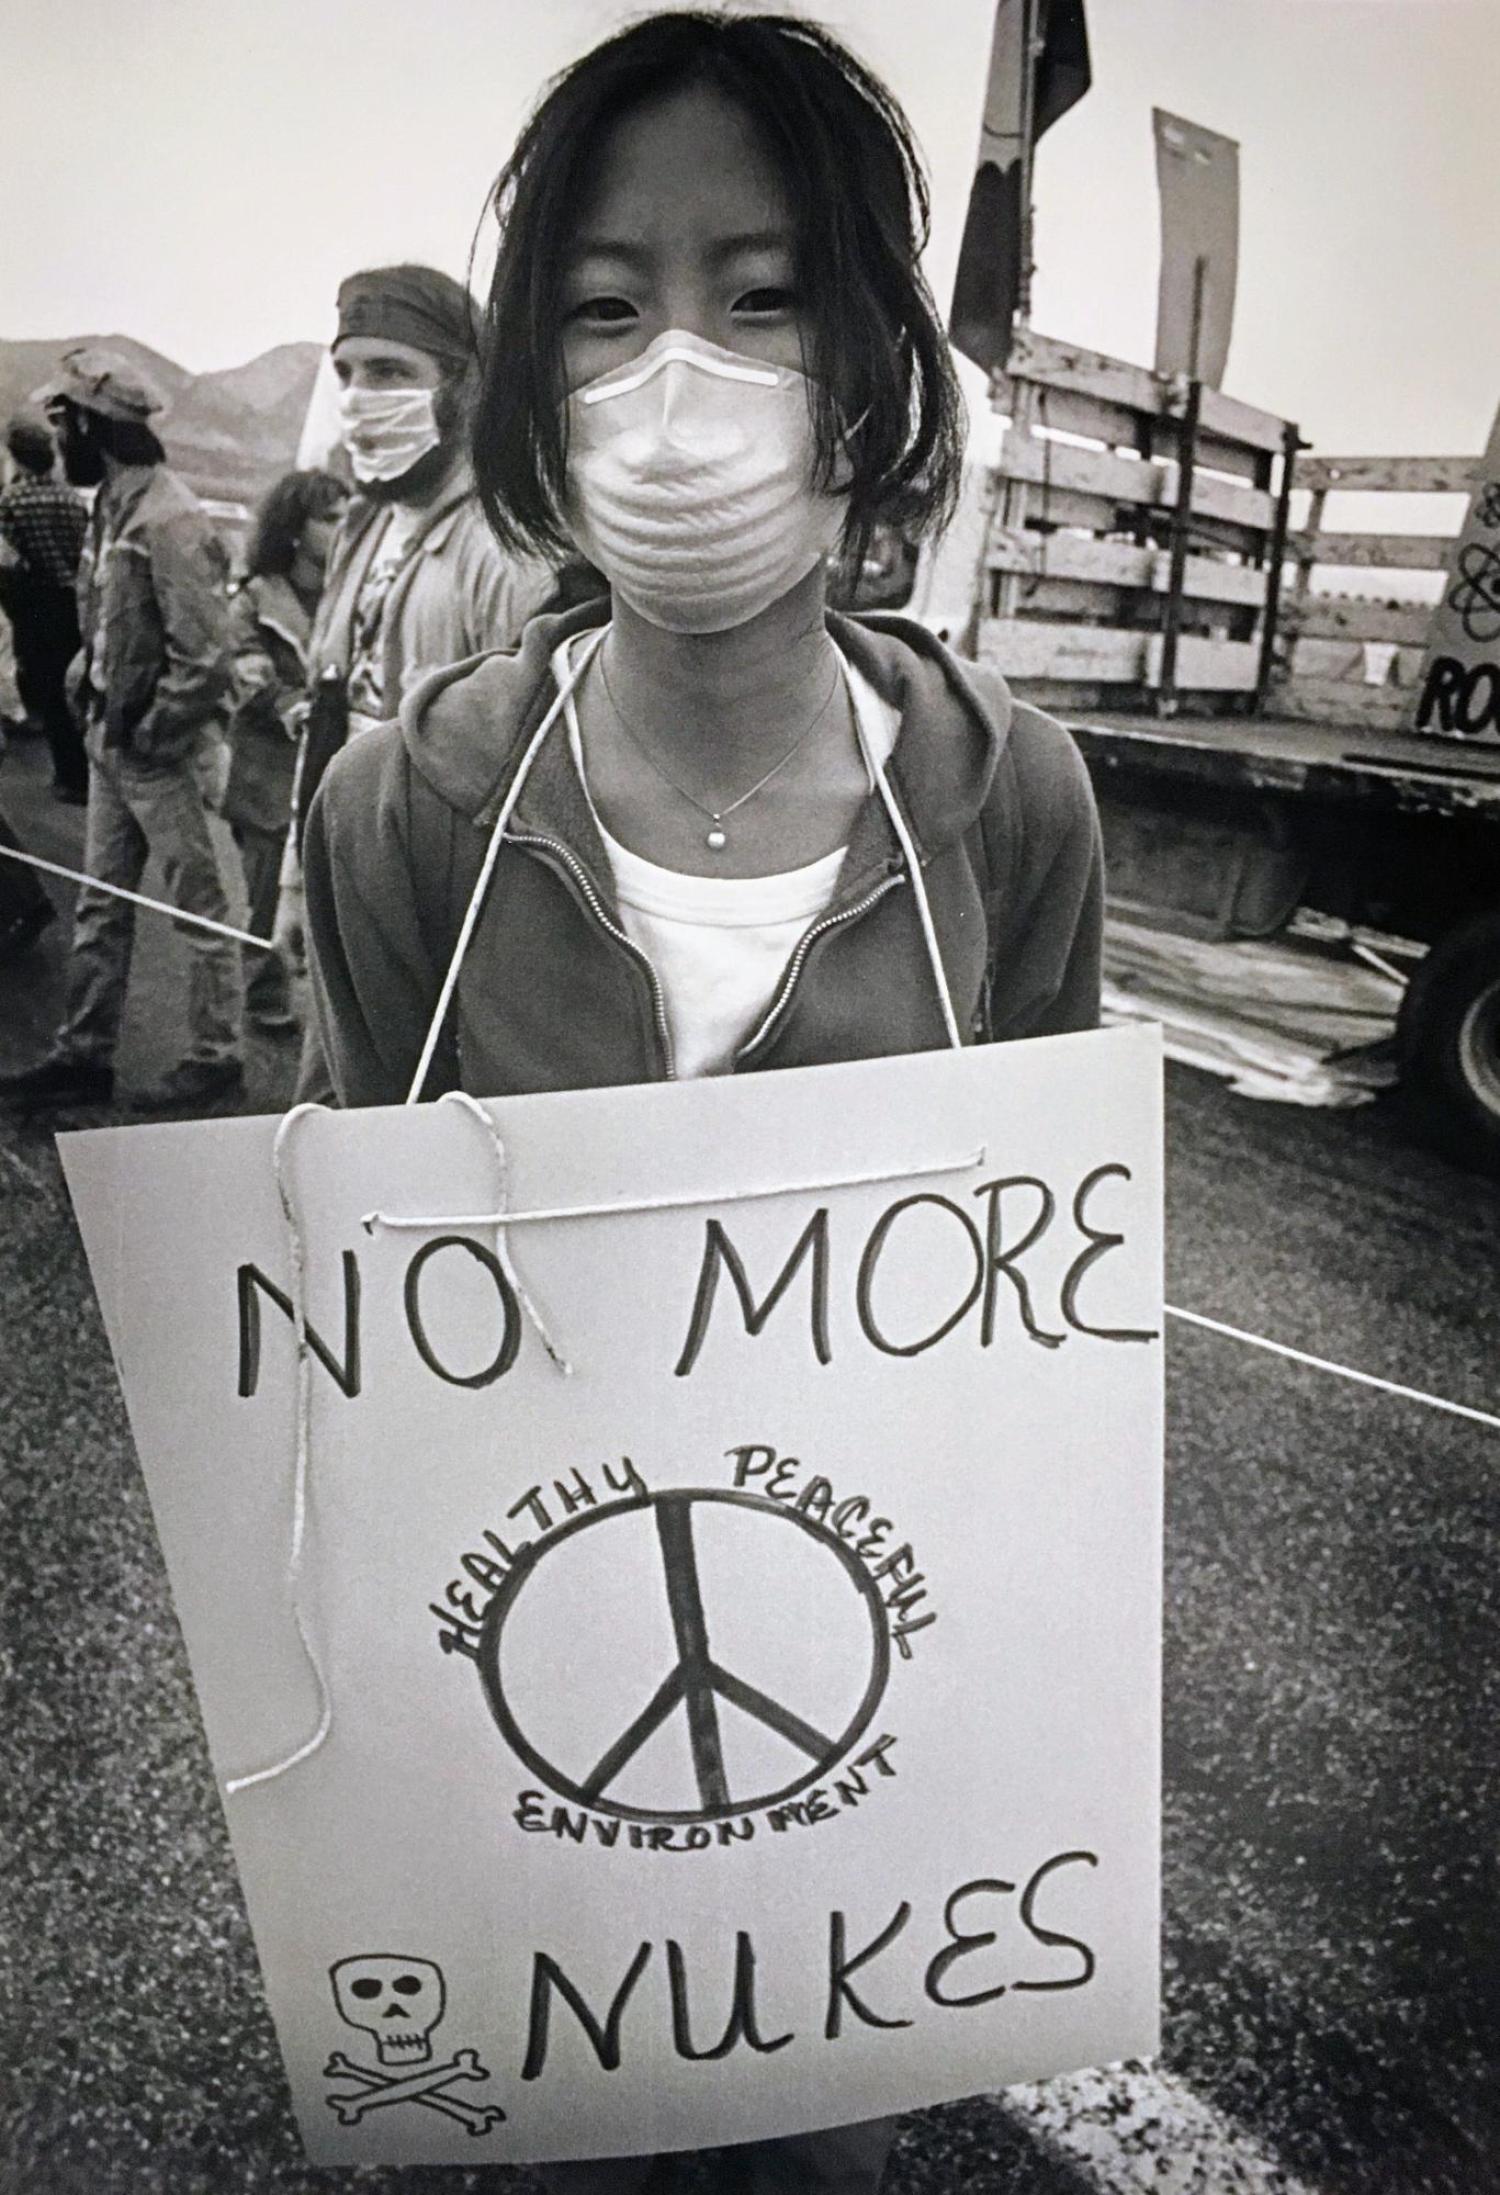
pixel 147 688
pixel 42 526
pixel 416 579
pixel 271 616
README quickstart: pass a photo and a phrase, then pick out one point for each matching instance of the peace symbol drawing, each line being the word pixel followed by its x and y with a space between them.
pixel 686 1656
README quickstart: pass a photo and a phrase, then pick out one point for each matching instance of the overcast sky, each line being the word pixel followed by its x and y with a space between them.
pixel 200 173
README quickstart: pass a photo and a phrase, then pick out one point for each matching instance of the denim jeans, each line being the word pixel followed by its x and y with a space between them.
pixel 133 812
pixel 265 973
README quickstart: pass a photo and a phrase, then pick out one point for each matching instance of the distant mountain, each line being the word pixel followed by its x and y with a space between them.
pixel 27 365
pixel 229 433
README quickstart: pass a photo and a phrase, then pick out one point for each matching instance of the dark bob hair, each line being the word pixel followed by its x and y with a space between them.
pixel 281 517
pixel 30 445
pixel 874 344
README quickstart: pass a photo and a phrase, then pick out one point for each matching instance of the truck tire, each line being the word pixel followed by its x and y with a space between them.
pixel 1449 1040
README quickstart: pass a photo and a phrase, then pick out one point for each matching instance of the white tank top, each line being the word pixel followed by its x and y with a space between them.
pixel 718 945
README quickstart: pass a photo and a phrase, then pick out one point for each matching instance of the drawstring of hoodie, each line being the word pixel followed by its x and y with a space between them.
pixel 908 847
pixel 487 868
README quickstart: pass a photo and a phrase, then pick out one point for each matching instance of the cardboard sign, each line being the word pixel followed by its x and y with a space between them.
pixel 1458 696
pixel 749 1728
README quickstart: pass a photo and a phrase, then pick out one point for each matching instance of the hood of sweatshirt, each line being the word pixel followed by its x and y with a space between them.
pixel 465 727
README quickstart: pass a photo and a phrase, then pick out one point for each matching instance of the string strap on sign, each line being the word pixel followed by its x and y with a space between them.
pixel 477 1112
pixel 301 1473
pixel 674 1202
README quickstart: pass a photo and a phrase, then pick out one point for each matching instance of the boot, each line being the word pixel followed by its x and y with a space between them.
pixel 18 933
pixel 57 1081
pixel 193 1086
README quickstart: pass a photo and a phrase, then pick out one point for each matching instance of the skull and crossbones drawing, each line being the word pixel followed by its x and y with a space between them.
pixel 399 2002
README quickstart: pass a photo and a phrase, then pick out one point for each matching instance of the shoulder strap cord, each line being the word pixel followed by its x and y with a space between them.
pixel 487 867
pixel 876 769
pixel 291 1126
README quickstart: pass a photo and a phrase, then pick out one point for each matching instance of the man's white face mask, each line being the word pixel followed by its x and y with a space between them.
pixel 689 483
pixel 385 431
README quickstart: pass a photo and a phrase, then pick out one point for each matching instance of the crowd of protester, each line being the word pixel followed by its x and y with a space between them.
pixel 175 679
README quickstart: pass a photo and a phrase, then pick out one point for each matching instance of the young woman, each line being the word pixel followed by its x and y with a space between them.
pixel 706 826
pixel 270 617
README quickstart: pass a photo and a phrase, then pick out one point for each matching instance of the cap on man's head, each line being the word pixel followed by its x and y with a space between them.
pixel 102 381
pixel 416 305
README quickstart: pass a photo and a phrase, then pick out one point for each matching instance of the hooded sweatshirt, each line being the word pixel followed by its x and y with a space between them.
pixel 553 995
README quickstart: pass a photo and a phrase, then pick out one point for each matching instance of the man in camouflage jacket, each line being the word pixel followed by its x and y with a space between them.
pixel 146 686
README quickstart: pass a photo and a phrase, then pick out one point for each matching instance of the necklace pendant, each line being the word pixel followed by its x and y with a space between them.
pixel 717 839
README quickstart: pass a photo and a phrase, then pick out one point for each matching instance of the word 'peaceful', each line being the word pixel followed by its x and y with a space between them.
pixel 989 1248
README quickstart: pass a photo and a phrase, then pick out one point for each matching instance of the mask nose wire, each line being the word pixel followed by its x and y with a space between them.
pixel 624 380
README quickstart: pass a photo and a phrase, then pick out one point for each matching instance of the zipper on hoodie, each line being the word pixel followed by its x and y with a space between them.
pixel 805 944
pixel 602 915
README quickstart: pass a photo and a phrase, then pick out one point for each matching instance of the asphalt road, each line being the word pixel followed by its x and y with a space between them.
pixel 1331 1761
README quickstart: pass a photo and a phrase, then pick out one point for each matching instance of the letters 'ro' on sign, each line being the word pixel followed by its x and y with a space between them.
pixel 1458 693
pixel 753 1727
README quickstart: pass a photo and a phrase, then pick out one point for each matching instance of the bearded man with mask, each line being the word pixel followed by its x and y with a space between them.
pixel 146 688
pixel 415 580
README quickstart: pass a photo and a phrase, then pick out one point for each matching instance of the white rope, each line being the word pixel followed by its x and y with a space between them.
pixel 300 1485
pixel 139 899
pixel 876 769
pixel 502 1247
pixel 487 869
pixel 676 1200
pixel 1343 1371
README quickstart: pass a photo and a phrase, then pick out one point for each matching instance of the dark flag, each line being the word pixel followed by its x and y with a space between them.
pixel 1024 99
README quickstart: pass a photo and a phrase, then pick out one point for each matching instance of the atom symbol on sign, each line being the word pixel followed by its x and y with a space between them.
pixel 698 1680
pixel 1476 591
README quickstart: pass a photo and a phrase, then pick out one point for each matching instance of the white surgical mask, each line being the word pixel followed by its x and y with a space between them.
pixel 385 431
pixel 689 483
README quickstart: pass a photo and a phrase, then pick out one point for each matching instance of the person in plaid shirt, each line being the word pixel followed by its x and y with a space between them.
pixel 147 686
pixel 42 526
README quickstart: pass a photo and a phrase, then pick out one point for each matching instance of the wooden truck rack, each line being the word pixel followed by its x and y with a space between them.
pixel 1238 678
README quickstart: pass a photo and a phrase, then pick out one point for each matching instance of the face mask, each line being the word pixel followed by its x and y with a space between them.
pixel 385 431
pixel 690 483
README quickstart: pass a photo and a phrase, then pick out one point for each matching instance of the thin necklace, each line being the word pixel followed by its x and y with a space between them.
pixel 717 838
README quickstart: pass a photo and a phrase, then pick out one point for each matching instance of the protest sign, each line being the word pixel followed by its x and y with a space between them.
pixel 1458 693
pixel 742 1715
pixel 1198 185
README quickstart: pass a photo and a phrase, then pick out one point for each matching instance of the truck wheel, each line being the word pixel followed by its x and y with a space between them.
pixel 1449 1037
